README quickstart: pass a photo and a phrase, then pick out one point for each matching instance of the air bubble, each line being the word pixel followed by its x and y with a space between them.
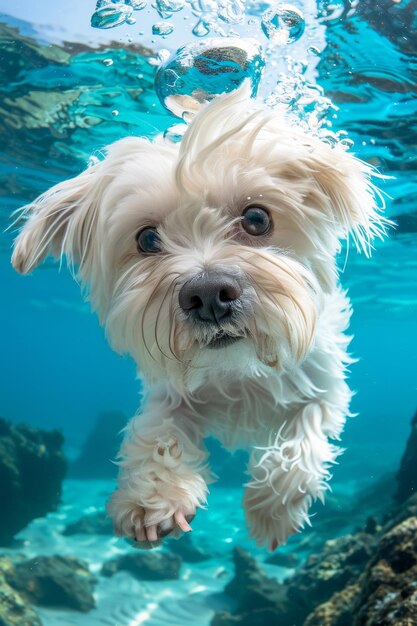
pixel 283 24
pixel 198 72
pixel 115 112
pixel 201 29
pixel 164 55
pixel 108 62
pixel 162 28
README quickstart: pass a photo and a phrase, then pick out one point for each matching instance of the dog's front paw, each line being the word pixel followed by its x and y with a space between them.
pixel 147 525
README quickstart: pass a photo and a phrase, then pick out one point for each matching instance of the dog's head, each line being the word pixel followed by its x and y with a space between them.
pixel 211 254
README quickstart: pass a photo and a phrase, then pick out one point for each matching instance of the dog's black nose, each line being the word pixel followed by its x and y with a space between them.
pixel 209 296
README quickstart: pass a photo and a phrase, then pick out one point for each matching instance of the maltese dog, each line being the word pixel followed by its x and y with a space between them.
pixel 212 263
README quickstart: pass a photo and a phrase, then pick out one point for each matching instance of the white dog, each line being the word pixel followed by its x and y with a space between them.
pixel 212 263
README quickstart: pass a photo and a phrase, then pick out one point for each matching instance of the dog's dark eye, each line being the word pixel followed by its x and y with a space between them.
pixel 148 241
pixel 256 221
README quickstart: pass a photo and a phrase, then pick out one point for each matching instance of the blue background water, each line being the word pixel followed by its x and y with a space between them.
pixel 56 368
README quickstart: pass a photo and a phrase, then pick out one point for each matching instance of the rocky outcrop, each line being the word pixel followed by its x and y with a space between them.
pixel 55 581
pixel 145 565
pixel 388 586
pixel 356 580
pixel 386 591
pixel 338 565
pixel 407 474
pixel 32 468
pixel 258 597
pixel 259 600
pixel 100 448
pixel 14 610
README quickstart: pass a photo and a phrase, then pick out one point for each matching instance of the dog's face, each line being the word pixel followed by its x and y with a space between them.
pixel 210 254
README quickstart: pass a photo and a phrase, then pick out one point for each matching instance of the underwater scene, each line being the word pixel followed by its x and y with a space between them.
pixel 76 76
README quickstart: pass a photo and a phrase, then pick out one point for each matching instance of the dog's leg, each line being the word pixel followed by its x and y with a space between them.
pixel 163 473
pixel 288 474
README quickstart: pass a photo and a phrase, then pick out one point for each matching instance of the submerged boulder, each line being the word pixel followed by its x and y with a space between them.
pixel 55 581
pixel 260 601
pixel 145 565
pixel 339 564
pixel 32 468
pixel 14 610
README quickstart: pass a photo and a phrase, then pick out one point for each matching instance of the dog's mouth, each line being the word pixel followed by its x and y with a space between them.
pixel 222 340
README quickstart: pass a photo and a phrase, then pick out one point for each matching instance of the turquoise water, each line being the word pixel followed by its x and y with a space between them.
pixel 58 102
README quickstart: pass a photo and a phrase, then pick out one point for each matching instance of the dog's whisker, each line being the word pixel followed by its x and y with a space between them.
pixel 161 306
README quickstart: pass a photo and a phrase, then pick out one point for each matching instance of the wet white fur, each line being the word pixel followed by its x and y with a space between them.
pixel 280 391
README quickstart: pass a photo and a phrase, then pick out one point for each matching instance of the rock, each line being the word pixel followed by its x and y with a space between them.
pixel 389 583
pixel 329 572
pixel 97 524
pixel 14 610
pixel 260 601
pixel 186 549
pixel 407 474
pixel 32 468
pixel 55 581
pixel 283 559
pixel 145 565
pixel 100 448
pixel 252 588
pixel 339 564
pixel 260 617
pixel 386 591
pixel 337 611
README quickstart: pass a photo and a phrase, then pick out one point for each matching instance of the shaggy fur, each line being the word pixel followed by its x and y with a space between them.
pixel 280 390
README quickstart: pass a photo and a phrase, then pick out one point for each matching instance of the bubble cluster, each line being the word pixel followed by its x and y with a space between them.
pixel 206 67
pixel 110 14
pixel 283 24
pixel 199 71
pixel 304 101
pixel 231 11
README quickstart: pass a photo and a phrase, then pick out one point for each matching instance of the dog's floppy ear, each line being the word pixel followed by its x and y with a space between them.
pixel 349 197
pixel 59 222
